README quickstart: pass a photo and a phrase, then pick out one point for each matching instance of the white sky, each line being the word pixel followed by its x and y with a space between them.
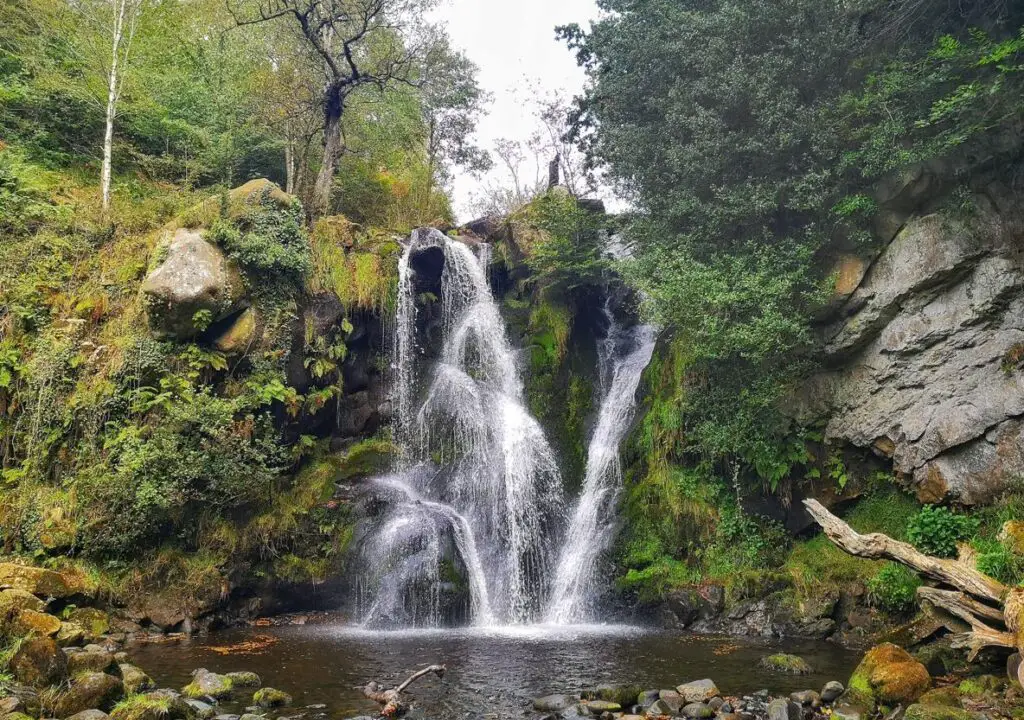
pixel 514 45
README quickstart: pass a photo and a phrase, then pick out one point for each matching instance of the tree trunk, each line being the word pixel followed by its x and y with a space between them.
pixel 979 600
pixel 289 163
pixel 112 92
pixel 333 106
pixel 391 700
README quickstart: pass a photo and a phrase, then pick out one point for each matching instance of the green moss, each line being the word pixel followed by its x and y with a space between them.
pixel 784 663
pixel 271 697
pixel 142 707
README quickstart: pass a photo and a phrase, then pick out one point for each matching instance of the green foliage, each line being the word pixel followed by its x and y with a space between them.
pixel 749 136
pixel 936 530
pixel 997 560
pixel 268 241
pixel 894 588
pixel 566 253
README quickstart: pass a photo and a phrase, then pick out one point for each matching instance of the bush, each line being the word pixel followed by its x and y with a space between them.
pixel 894 588
pixel 937 530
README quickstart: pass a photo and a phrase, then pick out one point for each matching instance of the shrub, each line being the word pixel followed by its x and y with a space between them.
pixel 893 588
pixel 937 530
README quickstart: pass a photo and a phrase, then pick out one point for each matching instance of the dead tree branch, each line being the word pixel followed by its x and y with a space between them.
pixel 390 700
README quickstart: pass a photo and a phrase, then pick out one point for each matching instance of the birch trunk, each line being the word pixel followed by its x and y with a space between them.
pixel 332 151
pixel 113 88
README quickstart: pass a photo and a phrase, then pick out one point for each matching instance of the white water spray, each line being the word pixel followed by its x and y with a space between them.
pixel 623 355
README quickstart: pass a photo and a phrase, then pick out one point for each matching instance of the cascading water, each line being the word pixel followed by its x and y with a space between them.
pixel 476 497
pixel 622 356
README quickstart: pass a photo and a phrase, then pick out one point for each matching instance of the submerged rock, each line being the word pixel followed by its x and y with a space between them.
pixel 553 703
pixel 271 697
pixel 782 662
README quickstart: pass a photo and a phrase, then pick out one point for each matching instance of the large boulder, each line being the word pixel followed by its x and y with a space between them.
pixel 88 691
pixel 39 581
pixel 135 678
pixel 888 675
pixel 39 663
pixel 14 600
pixel 195 285
pixel 40 623
pixel 95 622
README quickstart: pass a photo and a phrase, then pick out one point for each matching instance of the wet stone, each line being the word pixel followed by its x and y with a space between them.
pixel 698 690
pixel 698 711
pixel 832 691
pixel 646 698
pixel 553 703
pixel 783 710
pixel 806 698
pixel 203 710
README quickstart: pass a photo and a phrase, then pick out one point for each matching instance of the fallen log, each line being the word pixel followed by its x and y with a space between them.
pixel 877 546
pixel 390 700
pixel 982 602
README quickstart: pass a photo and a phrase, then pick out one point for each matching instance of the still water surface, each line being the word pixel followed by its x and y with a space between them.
pixel 491 672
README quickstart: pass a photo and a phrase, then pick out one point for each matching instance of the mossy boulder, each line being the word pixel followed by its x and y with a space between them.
pixel 888 675
pixel 39 662
pixel 40 582
pixel 88 691
pixel 153 706
pixel 89 715
pixel 271 698
pixel 33 622
pixel 14 600
pixel 96 660
pixel 241 333
pixel 135 678
pixel 244 679
pixel 194 286
pixel 207 684
pixel 95 622
pixel 70 634
pixel 783 663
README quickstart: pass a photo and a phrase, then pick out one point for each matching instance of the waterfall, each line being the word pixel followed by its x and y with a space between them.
pixel 622 357
pixel 477 488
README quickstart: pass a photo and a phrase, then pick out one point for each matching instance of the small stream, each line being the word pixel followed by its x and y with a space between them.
pixel 491 672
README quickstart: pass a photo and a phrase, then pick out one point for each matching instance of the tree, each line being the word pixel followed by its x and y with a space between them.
pixel 357 43
pixel 452 100
pixel 115 23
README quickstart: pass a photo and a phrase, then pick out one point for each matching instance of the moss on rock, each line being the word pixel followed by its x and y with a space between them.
pixel 781 662
pixel 271 698
pixel 888 675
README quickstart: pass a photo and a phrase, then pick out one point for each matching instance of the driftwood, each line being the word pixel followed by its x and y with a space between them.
pixel 391 700
pixel 979 600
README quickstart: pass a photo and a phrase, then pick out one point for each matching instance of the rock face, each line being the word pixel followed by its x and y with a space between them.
pixel 926 351
pixel 39 662
pixel 195 277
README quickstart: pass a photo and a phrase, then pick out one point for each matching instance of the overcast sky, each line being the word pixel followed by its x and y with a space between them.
pixel 514 45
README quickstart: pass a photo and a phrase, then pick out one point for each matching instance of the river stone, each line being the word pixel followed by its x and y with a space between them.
pixel 89 690
pixel 806 697
pixel 698 690
pixel 663 706
pixel 156 705
pixel 832 691
pixel 91 714
pixel 39 662
pixel 207 684
pixel 622 694
pixel 646 698
pixel 920 711
pixel 697 711
pixel 780 709
pixel 37 581
pixel 849 711
pixel 135 678
pixel 601 706
pixel 204 711
pixel 194 277
pixel 244 679
pixel 92 659
pixel 271 697
pixel 553 703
